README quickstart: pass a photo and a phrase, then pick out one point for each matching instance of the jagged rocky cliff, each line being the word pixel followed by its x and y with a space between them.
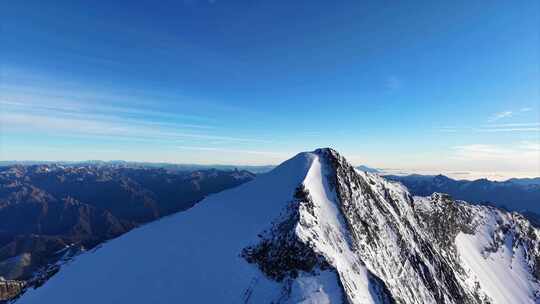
pixel 314 230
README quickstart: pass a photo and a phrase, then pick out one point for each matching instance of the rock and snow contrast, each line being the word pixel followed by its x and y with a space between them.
pixel 313 230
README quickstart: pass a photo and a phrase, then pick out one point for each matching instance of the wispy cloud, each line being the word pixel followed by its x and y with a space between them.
pixel 107 114
pixel 65 112
pixel 524 152
pixel 508 127
pixel 46 90
pixel 482 152
pixel 509 113
pixel 95 125
pixel 56 105
pixel 493 124
pixel 238 151
pixel 450 129
pixel 500 115
pixel 311 134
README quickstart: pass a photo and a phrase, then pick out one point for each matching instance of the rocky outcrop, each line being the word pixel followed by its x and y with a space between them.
pixel 10 289
pixel 281 253
pixel 514 194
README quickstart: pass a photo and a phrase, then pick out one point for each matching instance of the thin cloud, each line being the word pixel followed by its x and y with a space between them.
pixel 85 126
pixel 311 134
pixel 49 90
pixel 217 149
pixel 524 152
pixel 500 115
pixel 21 103
pixel 57 111
pixel 450 129
pixel 482 152
pixel 510 113
pixel 532 129
pixel 507 127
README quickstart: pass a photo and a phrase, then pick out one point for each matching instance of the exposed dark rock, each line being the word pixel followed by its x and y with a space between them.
pixel 10 289
pixel 280 253
pixel 366 211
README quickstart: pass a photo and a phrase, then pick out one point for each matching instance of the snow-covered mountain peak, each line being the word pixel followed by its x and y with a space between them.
pixel 313 230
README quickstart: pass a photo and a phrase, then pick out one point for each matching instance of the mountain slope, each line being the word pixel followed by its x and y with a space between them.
pixel 48 211
pixel 180 257
pixel 313 230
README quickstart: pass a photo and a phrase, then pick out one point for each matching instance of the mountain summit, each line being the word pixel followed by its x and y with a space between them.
pixel 313 230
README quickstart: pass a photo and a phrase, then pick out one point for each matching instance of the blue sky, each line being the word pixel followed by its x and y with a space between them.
pixel 414 85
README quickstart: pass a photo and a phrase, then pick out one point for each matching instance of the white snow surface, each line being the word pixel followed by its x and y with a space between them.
pixel 190 257
pixel 503 275
pixel 316 289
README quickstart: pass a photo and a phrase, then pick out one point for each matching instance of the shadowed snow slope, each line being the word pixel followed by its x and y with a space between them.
pixel 191 257
pixel 313 230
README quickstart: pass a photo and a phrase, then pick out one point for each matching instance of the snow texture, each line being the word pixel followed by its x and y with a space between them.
pixel 502 272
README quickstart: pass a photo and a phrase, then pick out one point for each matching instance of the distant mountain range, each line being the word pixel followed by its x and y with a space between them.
pixel 368 169
pixel 51 212
pixel 517 194
pixel 129 164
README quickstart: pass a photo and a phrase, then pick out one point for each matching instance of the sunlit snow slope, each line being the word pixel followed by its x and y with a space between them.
pixel 313 230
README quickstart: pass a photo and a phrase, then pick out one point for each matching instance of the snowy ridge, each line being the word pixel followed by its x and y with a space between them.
pixel 326 230
pixel 313 230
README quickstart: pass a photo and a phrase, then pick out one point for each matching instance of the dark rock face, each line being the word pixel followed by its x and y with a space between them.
pixel 10 289
pixel 423 250
pixel 366 212
pixel 47 209
pixel 280 253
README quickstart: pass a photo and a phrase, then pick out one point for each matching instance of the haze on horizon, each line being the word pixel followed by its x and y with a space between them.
pixel 444 87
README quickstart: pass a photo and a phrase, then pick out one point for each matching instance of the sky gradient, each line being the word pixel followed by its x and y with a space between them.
pixel 416 86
